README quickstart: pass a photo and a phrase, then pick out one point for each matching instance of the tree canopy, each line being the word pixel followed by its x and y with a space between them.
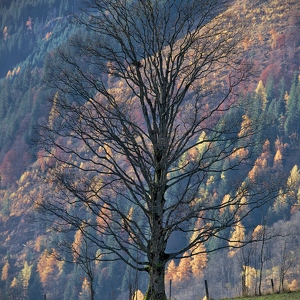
pixel 146 112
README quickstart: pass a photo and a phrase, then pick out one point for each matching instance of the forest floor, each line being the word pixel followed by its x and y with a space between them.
pixel 284 296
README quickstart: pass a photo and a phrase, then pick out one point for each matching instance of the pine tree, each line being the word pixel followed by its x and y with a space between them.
pixel 291 125
pixel 270 89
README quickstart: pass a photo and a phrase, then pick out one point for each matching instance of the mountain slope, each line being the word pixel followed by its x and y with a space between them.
pixel 30 31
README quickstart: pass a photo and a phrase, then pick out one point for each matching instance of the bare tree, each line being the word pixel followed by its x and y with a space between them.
pixel 79 250
pixel 285 255
pixel 85 255
pixel 264 234
pixel 145 113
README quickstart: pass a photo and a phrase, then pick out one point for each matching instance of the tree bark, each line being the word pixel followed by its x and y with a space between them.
pixel 157 257
pixel 156 286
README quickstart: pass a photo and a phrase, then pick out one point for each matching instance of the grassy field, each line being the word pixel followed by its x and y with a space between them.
pixel 286 296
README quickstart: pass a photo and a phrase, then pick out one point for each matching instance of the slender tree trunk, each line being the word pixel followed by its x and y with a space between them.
pixel 92 294
pixel 261 266
pixel 244 288
pixel 282 269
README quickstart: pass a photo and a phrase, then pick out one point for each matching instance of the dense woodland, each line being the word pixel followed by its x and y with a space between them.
pixel 31 30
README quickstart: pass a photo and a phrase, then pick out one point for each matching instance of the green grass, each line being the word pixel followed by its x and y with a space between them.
pixel 285 296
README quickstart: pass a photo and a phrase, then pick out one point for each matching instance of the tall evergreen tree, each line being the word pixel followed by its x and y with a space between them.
pixel 292 124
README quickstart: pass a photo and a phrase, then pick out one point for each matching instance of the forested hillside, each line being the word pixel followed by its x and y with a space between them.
pixel 32 30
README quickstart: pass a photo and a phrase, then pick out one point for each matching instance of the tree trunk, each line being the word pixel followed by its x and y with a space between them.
pixel 157 244
pixel 92 294
pixel 157 262
pixel 156 286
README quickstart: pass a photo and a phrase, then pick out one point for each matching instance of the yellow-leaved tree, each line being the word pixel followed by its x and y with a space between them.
pixel 171 272
pixel 236 239
pixel 85 290
pixel 261 95
pixel 49 268
pixel 184 271
pixel 4 273
pixel 26 274
pixel 199 256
